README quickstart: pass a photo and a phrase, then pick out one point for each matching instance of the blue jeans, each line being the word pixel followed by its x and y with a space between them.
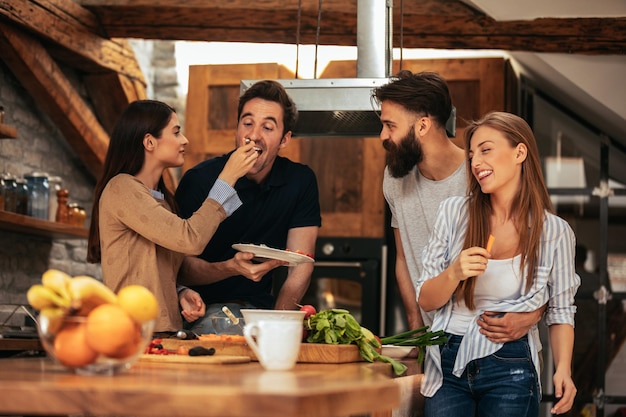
pixel 204 325
pixel 503 384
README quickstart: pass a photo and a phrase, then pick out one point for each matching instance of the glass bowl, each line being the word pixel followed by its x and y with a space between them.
pixel 222 324
pixel 70 342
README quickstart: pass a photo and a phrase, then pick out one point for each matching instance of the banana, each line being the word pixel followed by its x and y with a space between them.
pixel 58 282
pixel 87 293
pixel 40 297
pixel 51 319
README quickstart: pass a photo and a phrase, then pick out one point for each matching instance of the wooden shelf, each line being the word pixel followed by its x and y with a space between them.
pixel 7 132
pixel 38 227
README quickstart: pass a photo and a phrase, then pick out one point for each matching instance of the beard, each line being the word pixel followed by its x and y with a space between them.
pixel 402 157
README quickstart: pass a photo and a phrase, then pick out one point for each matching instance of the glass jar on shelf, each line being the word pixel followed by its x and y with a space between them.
pixel 81 217
pixel 22 193
pixel 10 193
pixel 71 213
pixel 2 191
pixel 76 215
pixel 38 200
pixel 54 184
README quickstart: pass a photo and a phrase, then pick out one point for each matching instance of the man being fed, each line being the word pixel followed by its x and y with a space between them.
pixel 280 209
pixel 424 167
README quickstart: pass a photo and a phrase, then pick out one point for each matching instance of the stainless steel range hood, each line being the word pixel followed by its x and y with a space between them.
pixel 333 106
pixel 343 106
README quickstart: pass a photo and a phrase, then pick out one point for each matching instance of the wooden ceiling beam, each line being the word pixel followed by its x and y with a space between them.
pixel 110 94
pixel 442 24
pixel 63 23
pixel 39 74
pixel 581 36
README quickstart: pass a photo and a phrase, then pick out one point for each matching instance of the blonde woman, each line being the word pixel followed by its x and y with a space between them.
pixel 530 265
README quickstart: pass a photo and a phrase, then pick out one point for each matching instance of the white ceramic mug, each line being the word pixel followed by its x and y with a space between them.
pixel 276 343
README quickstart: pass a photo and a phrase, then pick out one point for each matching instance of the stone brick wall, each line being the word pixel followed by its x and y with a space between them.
pixel 157 60
pixel 40 146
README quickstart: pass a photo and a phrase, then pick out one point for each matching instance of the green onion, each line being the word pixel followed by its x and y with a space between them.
pixel 420 338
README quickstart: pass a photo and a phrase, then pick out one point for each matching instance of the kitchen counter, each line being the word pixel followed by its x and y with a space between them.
pixel 39 386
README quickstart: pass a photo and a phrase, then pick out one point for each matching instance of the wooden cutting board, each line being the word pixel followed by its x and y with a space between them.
pixel 213 359
pixel 309 352
pixel 322 353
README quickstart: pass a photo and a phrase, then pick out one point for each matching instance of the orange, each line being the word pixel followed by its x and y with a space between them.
pixel 110 330
pixel 130 348
pixel 138 302
pixel 71 348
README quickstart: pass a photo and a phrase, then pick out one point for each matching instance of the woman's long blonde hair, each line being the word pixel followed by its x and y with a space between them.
pixel 529 205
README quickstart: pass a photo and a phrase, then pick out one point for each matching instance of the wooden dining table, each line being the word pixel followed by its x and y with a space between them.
pixel 38 386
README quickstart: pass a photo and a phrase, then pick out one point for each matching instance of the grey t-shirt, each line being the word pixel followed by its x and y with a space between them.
pixel 414 201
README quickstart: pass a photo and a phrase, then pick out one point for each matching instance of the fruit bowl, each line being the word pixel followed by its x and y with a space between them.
pixel 93 345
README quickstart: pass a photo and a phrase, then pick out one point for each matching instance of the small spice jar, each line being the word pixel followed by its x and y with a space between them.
pixel 71 212
pixel 76 215
pixel 81 217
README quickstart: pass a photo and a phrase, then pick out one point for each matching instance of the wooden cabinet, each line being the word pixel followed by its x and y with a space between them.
pixel 349 170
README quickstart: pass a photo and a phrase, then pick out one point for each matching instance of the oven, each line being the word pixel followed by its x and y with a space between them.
pixel 349 273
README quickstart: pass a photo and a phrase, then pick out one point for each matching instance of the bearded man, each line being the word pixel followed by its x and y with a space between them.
pixel 424 167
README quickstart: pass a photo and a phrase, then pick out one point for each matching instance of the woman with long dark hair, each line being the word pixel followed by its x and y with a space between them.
pixel 531 264
pixel 135 232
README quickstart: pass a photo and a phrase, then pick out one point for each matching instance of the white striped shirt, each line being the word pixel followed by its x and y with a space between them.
pixel 555 282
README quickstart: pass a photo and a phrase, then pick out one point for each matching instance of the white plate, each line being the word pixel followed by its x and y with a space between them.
pixel 264 253
pixel 399 352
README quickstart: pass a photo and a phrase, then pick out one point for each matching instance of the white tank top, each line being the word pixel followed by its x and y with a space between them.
pixel 500 281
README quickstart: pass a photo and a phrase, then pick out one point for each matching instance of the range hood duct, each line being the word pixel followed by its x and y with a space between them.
pixel 331 107
pixel 343 106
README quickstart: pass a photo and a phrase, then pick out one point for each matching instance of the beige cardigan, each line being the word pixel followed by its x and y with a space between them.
pixel 144 243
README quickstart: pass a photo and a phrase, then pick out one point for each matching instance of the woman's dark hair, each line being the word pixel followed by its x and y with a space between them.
pixel 125 155
pixel 271 91
pixel 424 93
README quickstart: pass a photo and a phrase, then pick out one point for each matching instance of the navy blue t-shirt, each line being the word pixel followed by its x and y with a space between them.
pixel 288 198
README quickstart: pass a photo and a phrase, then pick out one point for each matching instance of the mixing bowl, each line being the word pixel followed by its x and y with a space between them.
pixel 222 324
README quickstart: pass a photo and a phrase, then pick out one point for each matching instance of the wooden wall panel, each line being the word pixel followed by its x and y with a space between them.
pixel 211 112
pixel 349 170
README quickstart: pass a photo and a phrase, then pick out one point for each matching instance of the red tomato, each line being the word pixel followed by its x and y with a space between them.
pixel 309 310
